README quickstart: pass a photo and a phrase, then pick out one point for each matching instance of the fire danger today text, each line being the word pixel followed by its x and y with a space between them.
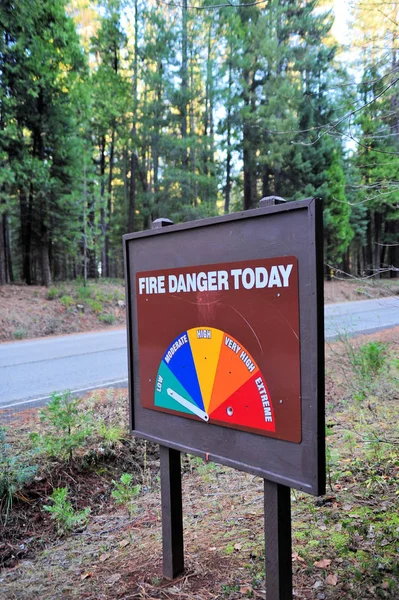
pixel 249 278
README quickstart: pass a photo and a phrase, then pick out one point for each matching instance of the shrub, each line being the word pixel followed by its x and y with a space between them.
pixel 369 359
pixel 95 305
pixel 14 474
pixel 110 434
pixel 67 301
pixel 109 319
pixel 85 292
pixel 62 511
pixel 19 334
pixel 125 492
pixel 67 428
pixel 52 293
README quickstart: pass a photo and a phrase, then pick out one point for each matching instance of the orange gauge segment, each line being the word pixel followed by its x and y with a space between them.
pixel 235 367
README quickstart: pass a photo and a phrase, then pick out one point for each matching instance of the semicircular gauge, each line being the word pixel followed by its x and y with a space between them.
pixel 208 374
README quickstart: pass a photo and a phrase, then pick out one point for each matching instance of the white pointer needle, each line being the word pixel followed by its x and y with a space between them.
pixel 187 404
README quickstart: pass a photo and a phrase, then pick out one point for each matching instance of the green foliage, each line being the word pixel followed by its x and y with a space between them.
pixel 19 334
pixel 14 474
pixel 67 301
pixel 337 211
pixel 62 512
pixel 125 492
pixel 85 292
pixel 367 366
pixel 110 434
pixel 108 319
pixel 95 305
pixel 52 293
pixel 67 428
pixel 369 359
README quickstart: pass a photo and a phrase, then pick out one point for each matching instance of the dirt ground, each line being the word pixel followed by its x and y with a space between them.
pixel 345 544
pixel 348 290
pixel 34 311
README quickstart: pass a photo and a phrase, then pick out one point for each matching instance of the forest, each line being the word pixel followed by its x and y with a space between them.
pixel 116 112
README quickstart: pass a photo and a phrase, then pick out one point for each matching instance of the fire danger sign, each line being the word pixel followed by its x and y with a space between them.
pixel 220 344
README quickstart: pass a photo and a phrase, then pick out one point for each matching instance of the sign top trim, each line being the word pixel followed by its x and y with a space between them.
pixel 247 214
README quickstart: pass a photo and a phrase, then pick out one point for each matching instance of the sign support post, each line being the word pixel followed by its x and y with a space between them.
pixel 278 550
pixel 277 502
pixel 171 495
pixel 172 513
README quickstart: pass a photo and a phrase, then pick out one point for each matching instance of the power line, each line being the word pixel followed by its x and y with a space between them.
pixel 212 6
pixel 348 116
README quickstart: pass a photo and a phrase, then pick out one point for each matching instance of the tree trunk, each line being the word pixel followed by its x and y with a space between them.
pixel 3 260
pixel 25 205
pixel 183 104
pixel 193 153
pixel 227 187
pixel 132 191
pixel 109 204
pixel 7 240
pixel 377 243
pixel 248 148
pixel 103 223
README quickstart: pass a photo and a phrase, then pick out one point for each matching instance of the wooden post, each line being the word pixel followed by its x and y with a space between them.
pixel 278 548
pixel 172 513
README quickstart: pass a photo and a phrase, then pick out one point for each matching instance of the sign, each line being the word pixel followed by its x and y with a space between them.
pixel 213 359
pixel 225 339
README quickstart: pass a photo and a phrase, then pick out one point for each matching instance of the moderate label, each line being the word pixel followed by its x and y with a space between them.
pixel 220 344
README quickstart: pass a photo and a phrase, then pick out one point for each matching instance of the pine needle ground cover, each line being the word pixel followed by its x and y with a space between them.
pixel 345 544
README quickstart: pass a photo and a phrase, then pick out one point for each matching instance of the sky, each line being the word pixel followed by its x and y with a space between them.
pixel 340 28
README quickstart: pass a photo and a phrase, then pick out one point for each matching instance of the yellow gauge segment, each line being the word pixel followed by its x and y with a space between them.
pixel 206 343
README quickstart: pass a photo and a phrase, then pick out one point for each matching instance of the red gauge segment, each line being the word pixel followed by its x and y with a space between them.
pixel 249 406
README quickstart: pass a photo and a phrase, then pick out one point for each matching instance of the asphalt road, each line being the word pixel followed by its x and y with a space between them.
pixel 365 316
pixel 31 370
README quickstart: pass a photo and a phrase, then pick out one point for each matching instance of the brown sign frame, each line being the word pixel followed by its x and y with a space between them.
pixel 292 229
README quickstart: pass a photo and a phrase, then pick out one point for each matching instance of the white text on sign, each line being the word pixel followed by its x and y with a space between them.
pixel 216 281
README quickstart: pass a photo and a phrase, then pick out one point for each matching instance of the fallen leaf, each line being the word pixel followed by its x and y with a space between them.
pixel 317 584
pixel 86 576
pixel 124 543
pixel 213 549
pixel 113 579
pixel 295 556
pixel 332 579
pixel 104 557
pixel 324 563
pixel 237 547
pixel 245 589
